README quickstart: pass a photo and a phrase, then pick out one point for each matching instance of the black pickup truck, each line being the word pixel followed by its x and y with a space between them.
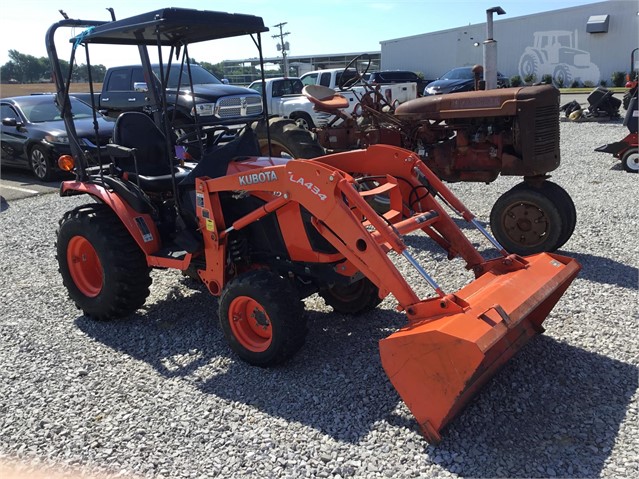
pixel 125 88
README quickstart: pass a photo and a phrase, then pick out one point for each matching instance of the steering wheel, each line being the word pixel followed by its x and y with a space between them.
pixel 345 83
pixel 209 136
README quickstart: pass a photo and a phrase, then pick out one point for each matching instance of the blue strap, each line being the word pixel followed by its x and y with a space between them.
pixel 80 38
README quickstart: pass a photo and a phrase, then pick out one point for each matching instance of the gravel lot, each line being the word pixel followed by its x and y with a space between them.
pixel 160 394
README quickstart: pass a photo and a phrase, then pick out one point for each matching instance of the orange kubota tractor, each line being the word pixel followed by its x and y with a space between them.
pixel 262 233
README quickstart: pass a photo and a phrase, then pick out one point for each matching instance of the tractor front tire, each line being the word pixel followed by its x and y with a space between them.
pixel 102 267
pixel 262 318
pixel 287 139
pixel 564 203
pixel 525 221
pixel 356 298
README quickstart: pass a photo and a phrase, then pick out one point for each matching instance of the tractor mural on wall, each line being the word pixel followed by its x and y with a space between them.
pixel 555 53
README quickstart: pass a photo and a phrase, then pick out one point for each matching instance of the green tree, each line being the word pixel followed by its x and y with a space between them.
pixel 217 69
pixel 27 67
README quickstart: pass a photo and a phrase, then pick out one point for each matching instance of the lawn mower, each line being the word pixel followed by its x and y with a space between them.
pixel 262 233
pixel 626 150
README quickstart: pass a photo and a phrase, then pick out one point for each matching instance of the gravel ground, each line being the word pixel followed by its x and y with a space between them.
pixel 160 394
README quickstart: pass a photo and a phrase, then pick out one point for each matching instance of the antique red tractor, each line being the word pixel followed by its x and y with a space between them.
pixel 471 136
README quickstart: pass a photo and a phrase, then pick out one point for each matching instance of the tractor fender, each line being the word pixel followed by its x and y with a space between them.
pixel 140 225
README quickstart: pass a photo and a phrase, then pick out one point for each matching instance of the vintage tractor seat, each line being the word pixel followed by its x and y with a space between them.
pixel 324 98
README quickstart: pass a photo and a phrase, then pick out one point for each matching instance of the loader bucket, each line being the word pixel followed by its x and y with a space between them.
pixel 439 361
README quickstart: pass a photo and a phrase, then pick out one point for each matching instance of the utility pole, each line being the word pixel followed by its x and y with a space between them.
pixel 283 46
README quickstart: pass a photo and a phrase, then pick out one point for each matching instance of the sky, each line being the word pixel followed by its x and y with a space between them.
pixel 314 27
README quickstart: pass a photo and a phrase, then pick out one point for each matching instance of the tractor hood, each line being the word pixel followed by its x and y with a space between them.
pixel 498 102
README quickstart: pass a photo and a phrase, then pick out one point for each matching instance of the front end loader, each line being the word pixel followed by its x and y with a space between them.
pixel 263 233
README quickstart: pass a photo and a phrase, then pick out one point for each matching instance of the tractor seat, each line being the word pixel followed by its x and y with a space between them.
pixel 324 98
pixel 139 146
pixel 157 183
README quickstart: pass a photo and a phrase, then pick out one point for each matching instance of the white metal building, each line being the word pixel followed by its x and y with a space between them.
pixel 585 43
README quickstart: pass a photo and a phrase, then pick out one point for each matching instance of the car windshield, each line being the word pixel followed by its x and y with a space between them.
pixel 200 76
pixel 396 76
pixel 458 74
pixel 464 73
pixel 45 110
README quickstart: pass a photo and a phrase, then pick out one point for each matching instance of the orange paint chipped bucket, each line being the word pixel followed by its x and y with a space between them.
pixel 448 351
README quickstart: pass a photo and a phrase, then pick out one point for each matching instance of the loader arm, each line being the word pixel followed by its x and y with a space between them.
pixel 323 191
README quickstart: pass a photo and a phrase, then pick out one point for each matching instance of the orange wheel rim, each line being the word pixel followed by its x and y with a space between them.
pixel 84 266
pixel 250 324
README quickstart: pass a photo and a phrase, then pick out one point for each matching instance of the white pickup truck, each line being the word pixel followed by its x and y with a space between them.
pixel 284 98
pixel 395 92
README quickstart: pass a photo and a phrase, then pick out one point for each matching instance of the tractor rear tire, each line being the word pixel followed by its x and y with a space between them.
pixel 525 221
pixel 102 267
pixel 564 202
pixel 262 318
pixel 287 139
pixel 630 160
pixel 356 298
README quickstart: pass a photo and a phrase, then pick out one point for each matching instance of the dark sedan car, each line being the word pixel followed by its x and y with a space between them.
pixel 397 76
pixel 457 80
pixel 34 136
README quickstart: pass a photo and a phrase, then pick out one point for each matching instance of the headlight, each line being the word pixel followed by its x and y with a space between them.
pixel 204 109
pixel 431 90
pixel 64 139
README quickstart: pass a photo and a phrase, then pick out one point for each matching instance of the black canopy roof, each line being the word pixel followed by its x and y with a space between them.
pixel 176 26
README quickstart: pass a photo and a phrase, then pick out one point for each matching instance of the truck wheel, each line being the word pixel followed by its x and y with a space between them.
pixel 356 298
pixel 102 267
pixel 630 160
pixel 262 318
pixel 303 120
pixel 525 221
pixel 563 201
pixel 39 163
pixel 287 139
